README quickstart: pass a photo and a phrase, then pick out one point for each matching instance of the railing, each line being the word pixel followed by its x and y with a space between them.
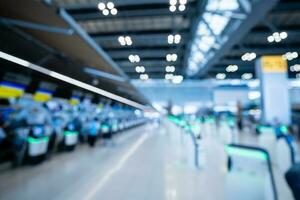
pixel 253 152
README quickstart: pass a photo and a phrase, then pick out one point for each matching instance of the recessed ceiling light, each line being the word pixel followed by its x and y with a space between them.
pixel 181 8
pixel 177 79
pixel 247 76
pixel 232 68
pixel 182 2
pixel 114 11
pixel 221 76
pixel 110 5
pixel 105 12
pixel 249 56
pixel 172 8
pixel 101 6
pixel 173 2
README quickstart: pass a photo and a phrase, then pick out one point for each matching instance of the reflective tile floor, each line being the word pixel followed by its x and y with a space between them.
pixel 151 162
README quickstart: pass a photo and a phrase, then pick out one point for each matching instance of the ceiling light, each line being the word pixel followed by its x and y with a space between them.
pixel 110 5
pixel 134 58
pixel 101 6
pixel 137 58
pixel 105 12
pixel 249 56
pixel 144 77
pixel 182 2
pixel 181 8
pixel 171 57
pixel 173 2
pixel 277 37
pixel 122 41
pixel 137 69
pixel 114 11
pixel 271 39
pixel 220 76
pixel 290 56
pixel 170 69
pixel 177 39
pixel 174 57
pixel 108 8
pixel 125 40
pixel 174 39
pixel 283 35
pixel 252 95
pixel 295 68
pixel 177 79
pixel 169 76
pixel 172 8
pixel 247 76
pixel 140 69
pixel 170 39
pixel 128 40
pixel 232 68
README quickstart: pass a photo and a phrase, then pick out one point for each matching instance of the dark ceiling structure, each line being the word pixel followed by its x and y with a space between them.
pixel 147 22
pixel 49 37
pixel 105 42
pixel 284 17
pixel 150 22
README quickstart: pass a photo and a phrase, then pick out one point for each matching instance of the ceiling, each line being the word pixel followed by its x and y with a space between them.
pixel 285 16
pixel 149 22
pixel 44 37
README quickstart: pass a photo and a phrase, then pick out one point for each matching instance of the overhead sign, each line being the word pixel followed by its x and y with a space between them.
pixel 42 95
pixel 273 64
pixel 11 90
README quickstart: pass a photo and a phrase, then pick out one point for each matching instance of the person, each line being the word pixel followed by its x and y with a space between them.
pixel 94 126
pixel 239 116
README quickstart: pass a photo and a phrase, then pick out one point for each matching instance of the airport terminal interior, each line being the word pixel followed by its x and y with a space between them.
pixel 149 99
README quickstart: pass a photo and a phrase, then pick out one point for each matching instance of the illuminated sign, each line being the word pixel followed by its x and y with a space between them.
pixel 273 64
pixel 11 90
pixel 42 95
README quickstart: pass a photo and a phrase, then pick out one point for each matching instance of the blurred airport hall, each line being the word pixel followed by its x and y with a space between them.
pixel 149 99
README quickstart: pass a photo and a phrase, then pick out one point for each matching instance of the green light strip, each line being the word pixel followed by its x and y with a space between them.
pixel 265 128
pixel 70 133
pixel 37 140
pixel 246 153
pixel 284 129
pixel 104 126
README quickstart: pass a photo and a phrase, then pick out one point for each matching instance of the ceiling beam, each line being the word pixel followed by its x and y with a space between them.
pixel 91 12
pixel 286 6
pixel 139 37
pixel 141 48
pixel 143 54
pixel 259 11
pixel 161 69
pixel 183 32
pixel 146 64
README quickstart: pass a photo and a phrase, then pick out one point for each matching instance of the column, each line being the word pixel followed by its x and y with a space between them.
pixel 274 88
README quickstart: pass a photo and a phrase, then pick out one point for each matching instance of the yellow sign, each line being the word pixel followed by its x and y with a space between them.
pixel 273 64
pixel 10 92
pixel 42 96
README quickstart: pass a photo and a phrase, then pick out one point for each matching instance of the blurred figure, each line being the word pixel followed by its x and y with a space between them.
pixel 239 116
pixel 94 127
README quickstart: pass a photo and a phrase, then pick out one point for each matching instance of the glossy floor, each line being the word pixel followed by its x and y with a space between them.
pixel 151 162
